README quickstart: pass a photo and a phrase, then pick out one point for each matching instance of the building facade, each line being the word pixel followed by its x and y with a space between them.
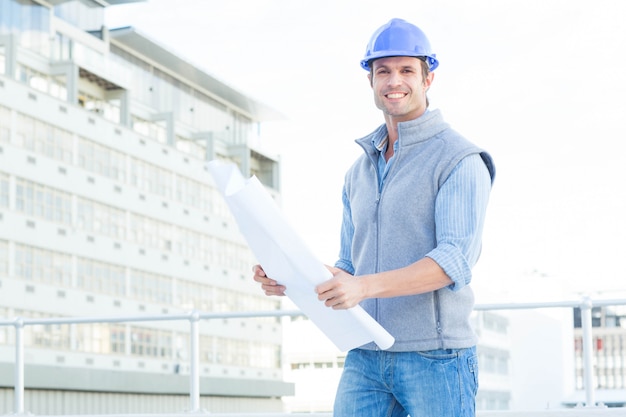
pixel 609 355
pixel 106 209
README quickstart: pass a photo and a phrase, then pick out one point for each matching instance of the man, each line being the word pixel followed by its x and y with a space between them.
pixel 414 208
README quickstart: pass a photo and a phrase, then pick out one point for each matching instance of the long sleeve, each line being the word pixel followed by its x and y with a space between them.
pixel 460 209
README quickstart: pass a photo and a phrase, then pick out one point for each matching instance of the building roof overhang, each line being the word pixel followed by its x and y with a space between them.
pixel 131 38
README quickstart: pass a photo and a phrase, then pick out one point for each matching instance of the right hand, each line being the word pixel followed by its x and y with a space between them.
pixel 268 285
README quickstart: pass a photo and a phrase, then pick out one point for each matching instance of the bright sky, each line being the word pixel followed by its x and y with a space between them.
pixel 539 84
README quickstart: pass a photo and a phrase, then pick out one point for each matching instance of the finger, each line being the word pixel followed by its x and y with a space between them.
pixel 324 295
pixel 273 289
pixel 258 270
pixel 334 303
pixel 261 279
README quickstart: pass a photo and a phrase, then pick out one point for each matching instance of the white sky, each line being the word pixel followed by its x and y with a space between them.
pixel 540 84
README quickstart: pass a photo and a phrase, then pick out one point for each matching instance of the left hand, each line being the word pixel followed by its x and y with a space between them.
pixel 342 291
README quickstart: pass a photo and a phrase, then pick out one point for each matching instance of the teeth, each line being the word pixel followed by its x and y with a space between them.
pixel 395 95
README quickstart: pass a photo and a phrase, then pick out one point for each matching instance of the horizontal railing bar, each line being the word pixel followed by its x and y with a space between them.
pixel 200 315
pixel 549 304
pixel 192 315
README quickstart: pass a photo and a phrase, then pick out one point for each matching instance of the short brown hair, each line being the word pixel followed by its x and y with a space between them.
pixel 423 63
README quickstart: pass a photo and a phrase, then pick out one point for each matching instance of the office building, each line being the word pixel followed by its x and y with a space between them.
pixel 609 355
pixel 106 209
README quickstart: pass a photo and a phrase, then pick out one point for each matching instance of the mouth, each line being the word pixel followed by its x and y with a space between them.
pixel 395 95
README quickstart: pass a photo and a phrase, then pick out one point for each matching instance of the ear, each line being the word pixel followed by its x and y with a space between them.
pixel 429 80
pixel 369 77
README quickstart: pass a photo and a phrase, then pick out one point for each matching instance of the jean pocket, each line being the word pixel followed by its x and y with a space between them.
pixel 440 354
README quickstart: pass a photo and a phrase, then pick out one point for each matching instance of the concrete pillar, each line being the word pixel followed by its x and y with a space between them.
pixel 170 132
pixel 10 54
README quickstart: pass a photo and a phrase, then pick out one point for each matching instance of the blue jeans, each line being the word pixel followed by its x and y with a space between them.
pixel 435 383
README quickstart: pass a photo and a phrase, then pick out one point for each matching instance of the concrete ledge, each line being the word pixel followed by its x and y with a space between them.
pixel 97 380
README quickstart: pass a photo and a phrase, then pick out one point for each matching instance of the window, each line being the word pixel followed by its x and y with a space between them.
pixel 151 233
pixel 100 277
pixel 101 219
pixel 4 260
pixel 5 118
pixel 101 160
pixel 28 19
pixel 44 202
pixel 40 265
pixel 494 361
pixel 49 336
pixel 44 139
pixel 193 193
pixel 151 178
pixel 4 190
pixel 193 295
pixel 150 287
pixel 193 148
pixel 495 323
pixel 4 330
pixel 151 342
pixel 80 14
pixel 152 130
pixel 109 110
pixel 118 338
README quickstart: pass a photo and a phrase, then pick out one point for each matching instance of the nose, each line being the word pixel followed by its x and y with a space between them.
pixel 394 78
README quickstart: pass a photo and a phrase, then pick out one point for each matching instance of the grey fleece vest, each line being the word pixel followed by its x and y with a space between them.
pixel 396 227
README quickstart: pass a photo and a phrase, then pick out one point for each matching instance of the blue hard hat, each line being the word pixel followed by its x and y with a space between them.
pixel 399 38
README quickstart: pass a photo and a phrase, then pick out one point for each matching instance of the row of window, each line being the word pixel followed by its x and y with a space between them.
pixel 49 84
pixel 493 400
pixel 133 340
pixel 53 142
pixel 609 356
pixel 494 322
pixel 493 361
pixel 38 265
pixel 605 379
pixel 54 205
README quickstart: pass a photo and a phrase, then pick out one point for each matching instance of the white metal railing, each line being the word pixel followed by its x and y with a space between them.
pixel 585 305
pixel 193 317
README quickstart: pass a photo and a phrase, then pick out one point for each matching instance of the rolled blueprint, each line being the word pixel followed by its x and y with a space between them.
pixel 285 258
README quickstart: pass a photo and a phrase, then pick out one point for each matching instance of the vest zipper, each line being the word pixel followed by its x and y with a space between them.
pixel 379 191
pixel 437 311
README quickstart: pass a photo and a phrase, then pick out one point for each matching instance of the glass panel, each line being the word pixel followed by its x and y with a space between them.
pixel 86 17
pixel 2 55
pixel 30 20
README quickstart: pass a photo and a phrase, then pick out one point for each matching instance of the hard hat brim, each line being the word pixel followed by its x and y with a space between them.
pixel 431 60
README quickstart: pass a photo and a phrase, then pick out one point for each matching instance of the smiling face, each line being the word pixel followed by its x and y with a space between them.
pixel 400 87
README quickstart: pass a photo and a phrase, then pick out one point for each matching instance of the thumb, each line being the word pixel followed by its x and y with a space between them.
pixel 333 270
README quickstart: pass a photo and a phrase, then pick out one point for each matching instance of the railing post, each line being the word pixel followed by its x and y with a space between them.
pixel 194 362
pixel 588 368
pixel 18 406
